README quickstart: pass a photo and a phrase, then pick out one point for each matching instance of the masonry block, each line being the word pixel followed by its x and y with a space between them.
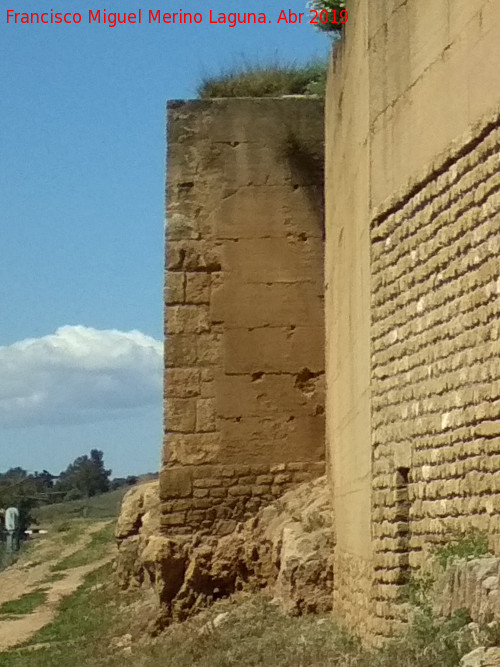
pixel 273 260
pixel 174 288
pixel 186 319
pixel 175 483
pixel 180 414
pixel 180 350
pixel 197 288
pixel 253 305
pixel 205 415
pixel 280 349
pixel 182 382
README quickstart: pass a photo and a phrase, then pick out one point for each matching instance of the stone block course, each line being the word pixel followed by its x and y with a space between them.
pixel 213 498
pixel 435 361
pixel 279 304
pixel 182 382
pixel 273 260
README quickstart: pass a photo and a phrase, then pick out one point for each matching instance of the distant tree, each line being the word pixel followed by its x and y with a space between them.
pixel 331 22
pixel 86 474
pixel 73 494
pixel 119 482
pixel 14 474
pixel 17 482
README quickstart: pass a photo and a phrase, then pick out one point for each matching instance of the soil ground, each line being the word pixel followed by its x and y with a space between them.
pixel 34 571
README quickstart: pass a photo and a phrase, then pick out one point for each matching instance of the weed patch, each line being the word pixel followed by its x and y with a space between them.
pixel 77 633
pixel 99 625
pixel 25 604
pixel 95 550
pixel 253 632
pixel 56 576
pixel 472 545
pixel 271 80
pixel 427 643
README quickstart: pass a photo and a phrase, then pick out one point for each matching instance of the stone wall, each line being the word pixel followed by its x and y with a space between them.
pixel 244 396
pixel 435 360
pixel 473 585
pixel 412 300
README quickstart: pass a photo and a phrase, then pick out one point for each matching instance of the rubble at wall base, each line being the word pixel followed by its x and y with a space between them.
pixel 286 549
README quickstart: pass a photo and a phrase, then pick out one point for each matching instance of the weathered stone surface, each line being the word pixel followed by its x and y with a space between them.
pixel 478 658
pixel 274 350
pixel 470 584
pixel 174 288
pixel 136 502
pixel 279 304
pixel 287 548
pixel 182 382
pixel 180 415
pixel 192 448
pixel 244 299
pixel 128 567
pixel 139 515
pixel 205 415
pixel 292 261
pixel 175 483
pixel 197 288
pixel 180 350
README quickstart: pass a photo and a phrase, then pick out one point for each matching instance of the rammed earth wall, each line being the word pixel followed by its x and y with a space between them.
pixel 412 293
pixel 244 378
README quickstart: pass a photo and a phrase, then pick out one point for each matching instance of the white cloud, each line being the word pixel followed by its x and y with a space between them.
pixel 78 374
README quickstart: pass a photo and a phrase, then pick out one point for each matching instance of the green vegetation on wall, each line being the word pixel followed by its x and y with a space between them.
pixel 337 14
pixel 271 80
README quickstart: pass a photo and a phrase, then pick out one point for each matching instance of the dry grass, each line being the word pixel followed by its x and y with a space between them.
pixel 100 626
pixel 270 80
pixel 24 604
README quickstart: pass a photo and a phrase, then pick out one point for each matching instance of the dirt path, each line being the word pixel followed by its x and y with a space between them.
pixel 26 576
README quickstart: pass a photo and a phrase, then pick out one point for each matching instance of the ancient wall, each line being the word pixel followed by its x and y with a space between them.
pixel 436 361
pixel 244 396
pixel 420 151
pixel 347 305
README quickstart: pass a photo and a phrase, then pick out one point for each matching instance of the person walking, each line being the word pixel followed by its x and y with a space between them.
pixel 12 528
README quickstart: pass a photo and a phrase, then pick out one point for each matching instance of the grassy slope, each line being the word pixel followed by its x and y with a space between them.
pixel 95 550
pixel 93 626
pixel 105 506
pixel 23 605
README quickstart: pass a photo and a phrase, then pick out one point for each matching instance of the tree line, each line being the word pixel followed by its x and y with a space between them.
pixel 87 476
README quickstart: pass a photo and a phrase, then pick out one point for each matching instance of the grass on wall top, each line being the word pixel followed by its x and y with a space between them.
pixel 271 80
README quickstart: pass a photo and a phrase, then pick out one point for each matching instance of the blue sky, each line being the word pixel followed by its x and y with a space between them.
pixel 82 155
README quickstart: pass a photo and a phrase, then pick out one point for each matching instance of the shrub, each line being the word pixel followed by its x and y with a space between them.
pixel 271 80
pixel 471 545
pixel 331 6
